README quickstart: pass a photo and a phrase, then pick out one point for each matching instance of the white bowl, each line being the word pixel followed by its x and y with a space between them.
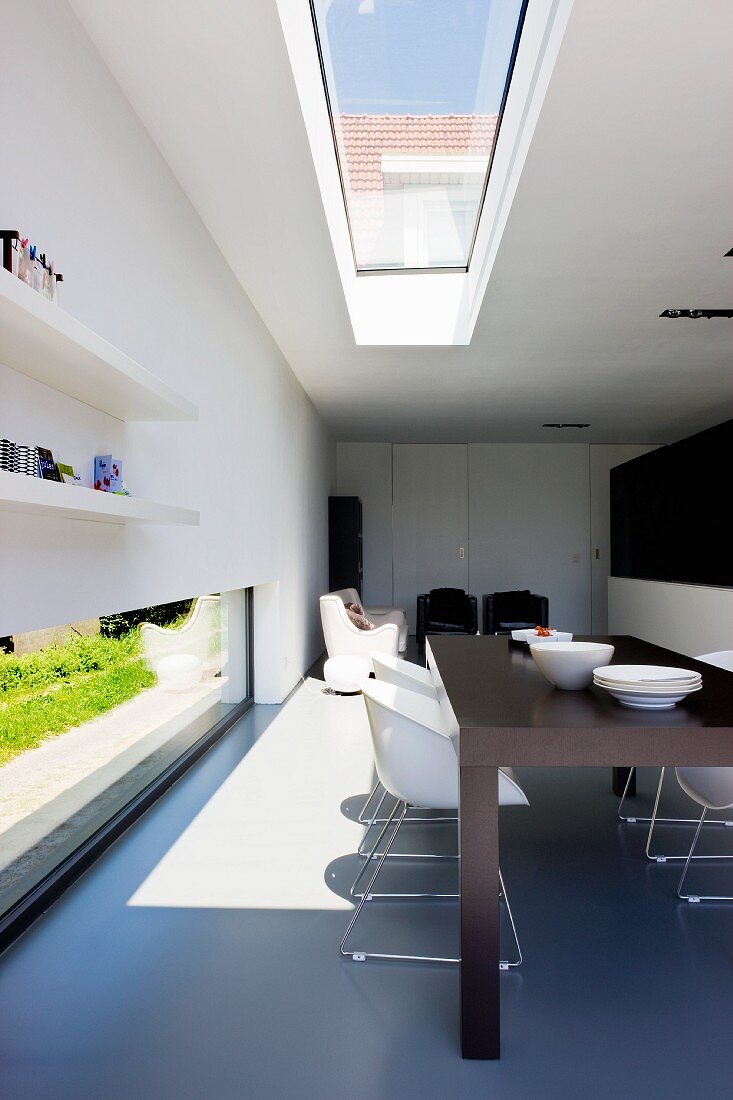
pixel 569 665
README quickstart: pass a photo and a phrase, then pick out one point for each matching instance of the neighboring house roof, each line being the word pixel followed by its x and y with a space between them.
pixel 364 139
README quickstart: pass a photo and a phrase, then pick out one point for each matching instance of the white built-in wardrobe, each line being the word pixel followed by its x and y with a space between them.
pixel 486 517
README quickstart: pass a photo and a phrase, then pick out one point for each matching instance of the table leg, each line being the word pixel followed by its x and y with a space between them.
pixel 620 775
pixel 479 841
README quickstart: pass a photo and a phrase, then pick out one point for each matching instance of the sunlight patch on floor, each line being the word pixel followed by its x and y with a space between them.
pixel 265 839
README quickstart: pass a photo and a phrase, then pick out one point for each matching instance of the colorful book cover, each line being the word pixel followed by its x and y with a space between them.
pixel 116 482
pixel 103 473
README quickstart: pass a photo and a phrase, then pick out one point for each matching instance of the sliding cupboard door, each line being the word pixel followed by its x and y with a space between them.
pixel 429 520
pixel 530 524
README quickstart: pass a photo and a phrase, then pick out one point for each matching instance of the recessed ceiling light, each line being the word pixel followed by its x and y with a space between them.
pixel 695 314
pixel 566 425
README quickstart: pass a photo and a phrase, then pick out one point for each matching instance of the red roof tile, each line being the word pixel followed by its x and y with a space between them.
pixel 363 139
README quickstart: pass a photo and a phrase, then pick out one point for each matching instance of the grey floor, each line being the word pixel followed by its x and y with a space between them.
pixel 625 992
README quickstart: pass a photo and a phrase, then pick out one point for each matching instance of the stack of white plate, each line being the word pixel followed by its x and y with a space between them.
pixel 648 687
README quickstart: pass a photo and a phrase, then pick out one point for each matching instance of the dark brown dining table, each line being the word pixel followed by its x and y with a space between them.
pixel 509 715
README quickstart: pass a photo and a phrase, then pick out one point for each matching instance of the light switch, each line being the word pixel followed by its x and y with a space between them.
pixel 461 552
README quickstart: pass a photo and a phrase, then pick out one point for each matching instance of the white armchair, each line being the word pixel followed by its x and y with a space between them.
pixel 378 615
pixel 389 634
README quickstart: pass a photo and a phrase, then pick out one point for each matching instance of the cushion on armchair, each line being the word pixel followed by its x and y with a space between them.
pixel 517 606
pixel 356 615
pixel 506 611
pixel 447 606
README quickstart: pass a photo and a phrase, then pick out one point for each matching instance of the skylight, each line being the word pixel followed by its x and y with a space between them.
pixel 416 91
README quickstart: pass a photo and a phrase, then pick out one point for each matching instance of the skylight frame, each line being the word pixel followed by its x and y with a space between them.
pixel 385 269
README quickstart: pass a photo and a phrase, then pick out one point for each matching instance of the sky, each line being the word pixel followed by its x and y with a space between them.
pixel 418 56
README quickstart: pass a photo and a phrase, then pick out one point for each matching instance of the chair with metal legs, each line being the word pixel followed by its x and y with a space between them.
pixel 417 765
pixel 722 659
pixel 711 788
pixel 401 673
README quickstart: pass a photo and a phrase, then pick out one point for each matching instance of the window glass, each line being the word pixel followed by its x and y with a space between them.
pixel 415 90
pixel 91 712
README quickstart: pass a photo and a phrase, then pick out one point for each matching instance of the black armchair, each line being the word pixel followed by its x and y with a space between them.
pixel 507 611
pixel 446 611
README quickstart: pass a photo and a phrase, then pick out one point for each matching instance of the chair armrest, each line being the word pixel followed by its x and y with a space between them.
pixel 488 613
pixel 378 631
pixel 472 615
pixel 423 601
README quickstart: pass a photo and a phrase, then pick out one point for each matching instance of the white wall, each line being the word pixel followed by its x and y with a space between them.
pixel 365 471
pixel 82 177
pixel 691 619
pixel 528 511
pixel 429 521
pixel 536 512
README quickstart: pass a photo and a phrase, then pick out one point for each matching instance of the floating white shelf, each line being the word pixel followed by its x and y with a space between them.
pixel 34 496
pixel 46 343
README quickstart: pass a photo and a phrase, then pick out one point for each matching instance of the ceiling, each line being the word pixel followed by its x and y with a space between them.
pixel 623 209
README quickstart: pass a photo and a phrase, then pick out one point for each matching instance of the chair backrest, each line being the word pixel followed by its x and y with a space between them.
pixel 447 605
pixel 723 658
pixel 710 787
pixel 505 611
pixel 200 635
pixel 401 673
pixel 347 595
pixel 335 622
pixel 413 753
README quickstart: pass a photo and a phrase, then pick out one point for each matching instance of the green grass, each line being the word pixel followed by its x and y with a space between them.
pixel 44 694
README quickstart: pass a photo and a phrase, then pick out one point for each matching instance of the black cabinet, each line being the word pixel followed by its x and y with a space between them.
pixel 344 543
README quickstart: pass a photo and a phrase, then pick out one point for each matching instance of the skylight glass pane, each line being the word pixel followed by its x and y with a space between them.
pixel 415 90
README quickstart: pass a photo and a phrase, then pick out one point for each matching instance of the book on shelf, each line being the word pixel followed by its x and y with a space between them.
pixel 67 474
pixel 46 465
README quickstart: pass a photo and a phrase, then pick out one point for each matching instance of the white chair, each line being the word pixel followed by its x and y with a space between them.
pixel 722 659
pixel 711 788
pixel 344 639
pixel 417 764
pixel 392 670
pixel 200 636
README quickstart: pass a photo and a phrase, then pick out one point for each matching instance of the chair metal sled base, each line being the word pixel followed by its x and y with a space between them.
pixel 689 858
pixel 655 819
pixel 369 895
pixel 363 819
pixel 384 821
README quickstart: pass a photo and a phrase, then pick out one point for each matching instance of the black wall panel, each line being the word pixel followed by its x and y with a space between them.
pixel 671 512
